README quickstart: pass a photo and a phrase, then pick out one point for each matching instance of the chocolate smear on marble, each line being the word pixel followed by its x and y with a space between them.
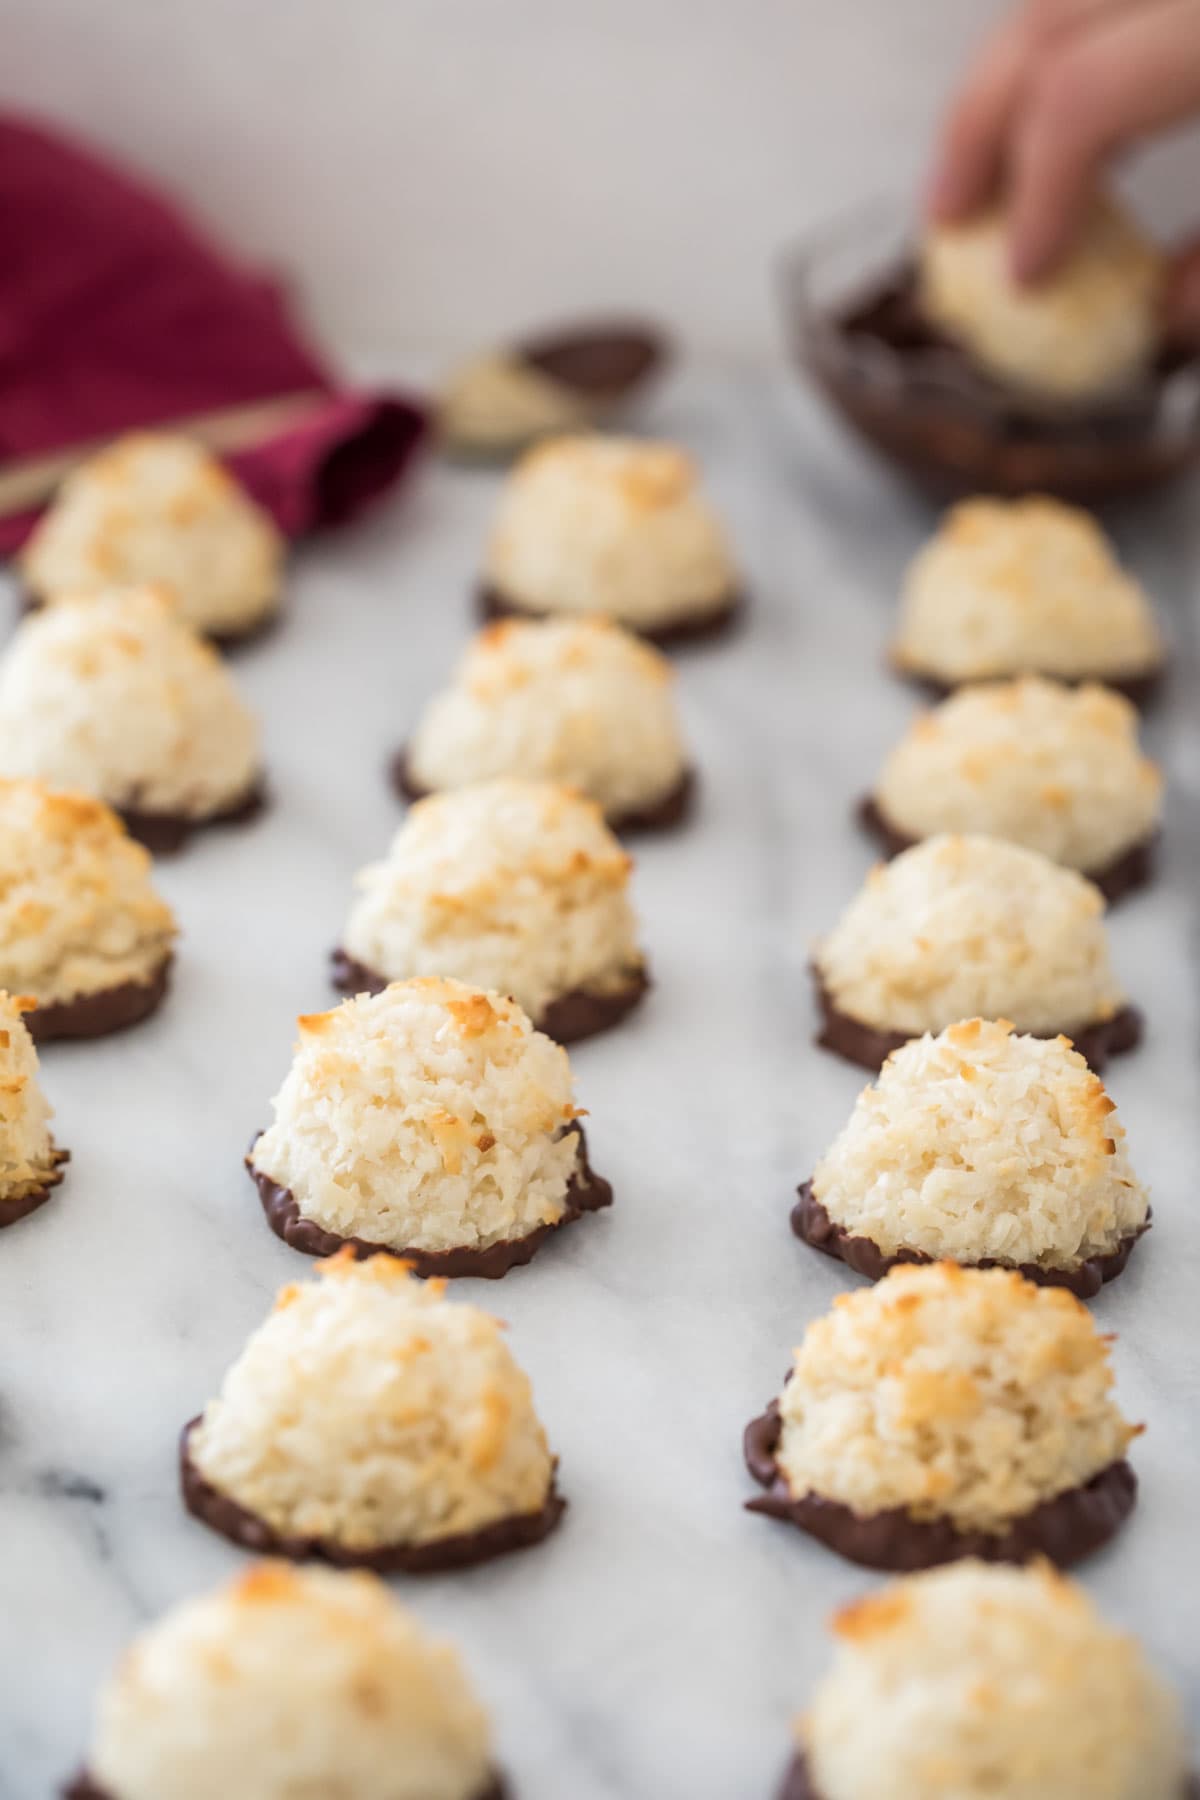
pixel 812 1223
pixel 673 809
pixel 581 1013
pixel 586 1192
pixel 1071 1526
pixel 694 626
pixel 20 1206
pixel 1131 870
pixel 461 1550
pixel 164 833
pixel 870 1046
pixel 102 1012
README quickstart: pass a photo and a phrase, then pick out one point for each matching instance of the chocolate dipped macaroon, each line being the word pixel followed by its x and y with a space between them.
pixel 1055 768
pixel 1090 330
pixel 497 402
pixel 983 1147
pixel 576 701
pixel 286 1682
pixel 970 927
pixel 83 931
pixel 614 527
pixel 1024 587
pixel 430 1122
pixel 986 1683
pixel 156 509
pixel 370 1421
pixel 513 885
pixel 31 1164
pixel 943 1413
pixel 115 695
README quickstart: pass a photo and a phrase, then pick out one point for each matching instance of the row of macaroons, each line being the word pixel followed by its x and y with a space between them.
pixel 432 1120
pixel 615 527
pixel 115 695
pixel 287 1681
pixel 506 878
pixel 587 524
pixel 956 1407
pixel 521 886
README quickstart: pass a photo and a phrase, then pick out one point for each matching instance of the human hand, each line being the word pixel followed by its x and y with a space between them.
pixel 1054 94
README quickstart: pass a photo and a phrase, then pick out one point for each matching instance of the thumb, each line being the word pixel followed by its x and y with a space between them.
pixel 1181 302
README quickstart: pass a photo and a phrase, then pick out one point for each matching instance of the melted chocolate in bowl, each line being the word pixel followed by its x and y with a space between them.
pixel 920 399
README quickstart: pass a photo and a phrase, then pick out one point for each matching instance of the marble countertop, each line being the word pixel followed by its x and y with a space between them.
pixel 659 1644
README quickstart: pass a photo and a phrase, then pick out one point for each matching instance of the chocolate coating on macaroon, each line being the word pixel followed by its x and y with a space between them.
pixel 870 1048
pixel 1125 874
pixel 84 1788
pixel 21 1205
pixel 586 1192
pixel 696 628
pixel 798 1783
pixel 674 809
pixel 103 1012
pixel 569 1019
pixel 813 1226
pixel 462 1550
pixel 1068 1528
pixel 164 833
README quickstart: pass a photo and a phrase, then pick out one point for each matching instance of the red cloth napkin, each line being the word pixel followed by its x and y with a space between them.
pixel 115 312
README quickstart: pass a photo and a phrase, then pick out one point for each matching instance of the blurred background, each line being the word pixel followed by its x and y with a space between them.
pixel 435 171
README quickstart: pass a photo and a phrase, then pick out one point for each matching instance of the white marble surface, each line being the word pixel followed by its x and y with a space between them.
pixel 657 1646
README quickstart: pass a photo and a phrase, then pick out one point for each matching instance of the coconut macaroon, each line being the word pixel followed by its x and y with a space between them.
pixel 1089 329
pixel 501 400
pixel 430 1121
pixel 496 404
pixel 981 1147
pixel 116 696
pixel 577 701
pixel 155 508
pixel 31 1164
pixel 513 885
pixel 613 526
pixel 83 931
pixel 286 1682
pixel 370 1421
pixel 1055 768
pixel 987 1683
pixel 1024 587
pixel 970 927
pixel 948 1412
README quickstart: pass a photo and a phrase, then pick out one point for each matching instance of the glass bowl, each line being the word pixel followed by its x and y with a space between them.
pixel 854 329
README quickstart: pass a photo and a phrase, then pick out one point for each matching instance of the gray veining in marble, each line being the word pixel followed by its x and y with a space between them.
pixel 658 1645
